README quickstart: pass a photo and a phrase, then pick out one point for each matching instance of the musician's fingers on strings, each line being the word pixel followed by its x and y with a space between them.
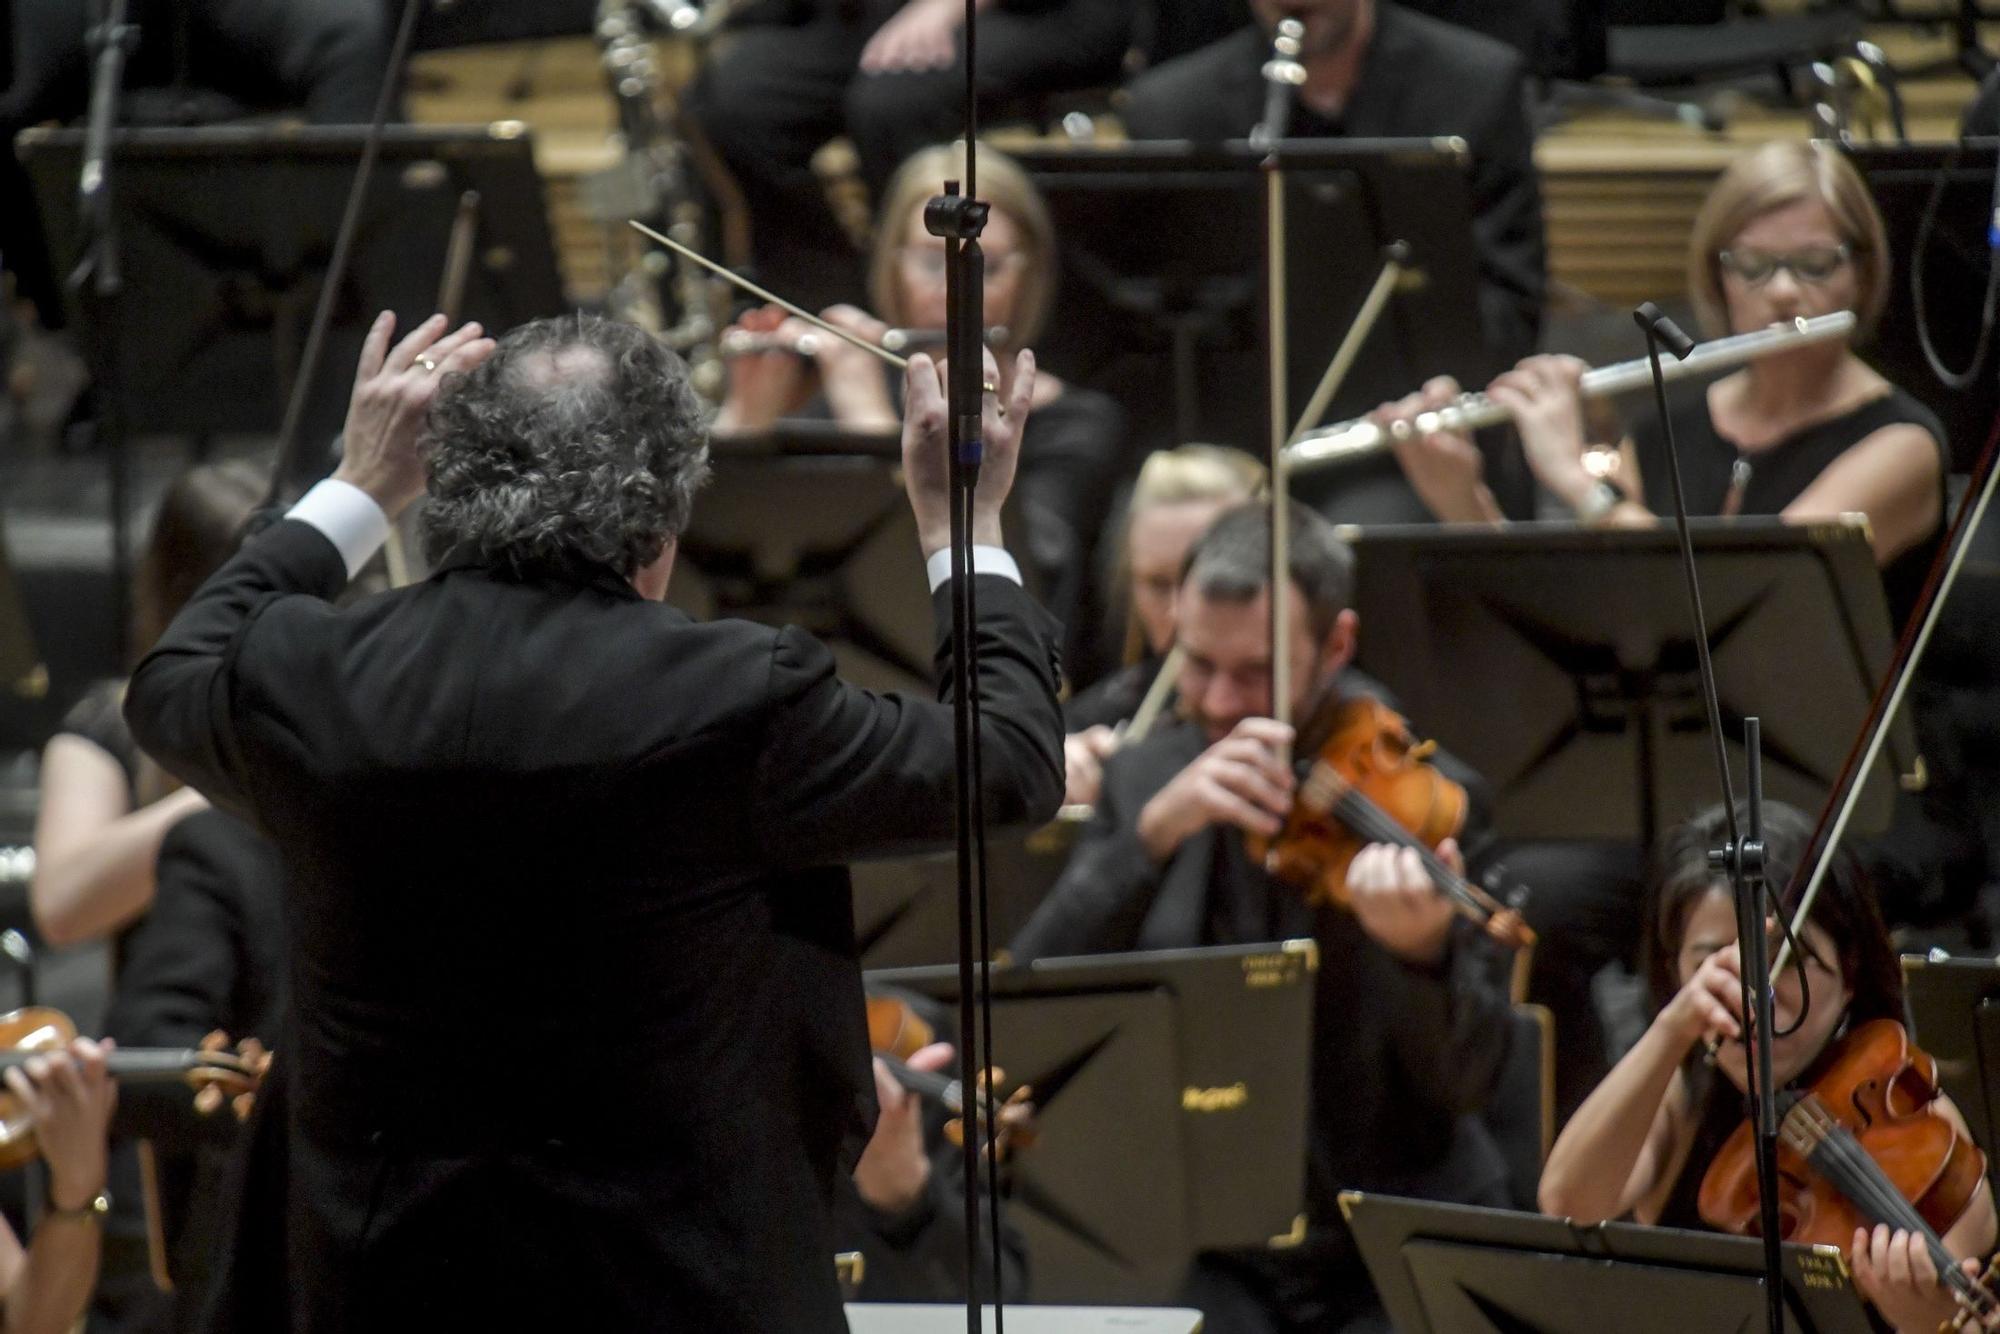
pixel 404 354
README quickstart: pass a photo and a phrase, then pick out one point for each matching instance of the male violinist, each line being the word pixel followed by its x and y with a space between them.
pixel 576 1036
pixel 1411 1014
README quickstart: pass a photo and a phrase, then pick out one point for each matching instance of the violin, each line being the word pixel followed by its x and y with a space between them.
pixel 1863 1143
pixel 1370 781
pixel 897 1032
pixel 215 1073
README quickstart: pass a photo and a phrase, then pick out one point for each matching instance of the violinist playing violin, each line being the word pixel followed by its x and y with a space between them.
pixel 1411 1015
pixel 1642 1144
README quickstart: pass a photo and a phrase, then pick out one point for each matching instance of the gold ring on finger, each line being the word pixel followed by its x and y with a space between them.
pixel 428 365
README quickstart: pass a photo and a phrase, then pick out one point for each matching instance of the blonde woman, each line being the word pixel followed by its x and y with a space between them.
pixel 1788 230
pixel 1178 494
pixel 1073 448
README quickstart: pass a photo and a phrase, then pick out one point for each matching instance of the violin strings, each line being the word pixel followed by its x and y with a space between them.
pixel 1843 1161
pixel 1373 823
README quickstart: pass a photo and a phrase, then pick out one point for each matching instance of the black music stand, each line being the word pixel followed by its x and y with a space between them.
pixel 928 1318
pixel 1162 246
pixel 226 233
pixel 906 908
pixel 1557 661
pixel 1955 1016
pixel 1957 262
pixel 1457 1269
pixel 1192 1061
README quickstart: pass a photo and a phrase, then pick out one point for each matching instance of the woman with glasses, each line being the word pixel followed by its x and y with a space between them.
pixel 1788 231
pixel 1072 451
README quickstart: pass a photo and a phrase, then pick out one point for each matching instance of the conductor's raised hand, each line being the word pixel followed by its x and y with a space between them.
pixel 926 442
pixel 393 389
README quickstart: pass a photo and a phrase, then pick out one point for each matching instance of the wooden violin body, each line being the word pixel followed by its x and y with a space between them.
pixel 1370 782
pixel 1882 1092
pixel 897 1032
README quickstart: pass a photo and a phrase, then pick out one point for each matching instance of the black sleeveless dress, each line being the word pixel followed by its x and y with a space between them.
pixel 1712 465
pixel 1722 1108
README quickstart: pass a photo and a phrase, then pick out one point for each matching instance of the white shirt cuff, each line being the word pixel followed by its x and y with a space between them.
pixel 985 560
pixel 349 517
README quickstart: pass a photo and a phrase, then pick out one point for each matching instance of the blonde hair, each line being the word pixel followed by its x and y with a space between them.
pixel 1180 476
pixel 1773 176
pixel 1002 184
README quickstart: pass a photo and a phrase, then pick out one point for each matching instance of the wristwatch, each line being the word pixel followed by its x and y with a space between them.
pixel 92 1210
pixel 1598 503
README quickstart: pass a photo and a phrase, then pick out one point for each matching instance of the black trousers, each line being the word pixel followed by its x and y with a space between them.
pixel 775 91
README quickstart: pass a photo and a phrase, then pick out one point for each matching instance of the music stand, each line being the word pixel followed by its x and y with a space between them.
pixel 927 1318
pixel 1955 1016
pixel 1194 1062
pixel 1161 248
pixel 1459 1269
pixel 1956 266
pixel 226 232
pixel 1557 661
pixel 906 908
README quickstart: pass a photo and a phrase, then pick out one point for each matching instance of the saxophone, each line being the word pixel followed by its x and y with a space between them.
pixel 655 182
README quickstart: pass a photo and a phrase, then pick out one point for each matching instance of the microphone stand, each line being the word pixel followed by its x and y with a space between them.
pixel 1741 855
pixel 99 282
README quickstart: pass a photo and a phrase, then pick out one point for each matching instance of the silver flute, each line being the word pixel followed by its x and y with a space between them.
pixel 1361 438
pixel 745 342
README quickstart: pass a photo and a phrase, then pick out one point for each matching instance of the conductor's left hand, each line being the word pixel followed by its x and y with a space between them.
pixel 925 449
pixel 1396 903
pixel 393 389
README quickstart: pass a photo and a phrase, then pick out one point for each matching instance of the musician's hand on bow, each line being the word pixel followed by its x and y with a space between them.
pixel 1445 468
pixel 1238 781
pixel 68 1094
pixel 1543 397
pixel 922 35
pixel 895 1166
pixel 1396 903
pixel 1084 754
pixel 926 439
pixel 1894 1270
pixel 765 385
pixel 393 389
pixel 1710 1007
pixel 852 378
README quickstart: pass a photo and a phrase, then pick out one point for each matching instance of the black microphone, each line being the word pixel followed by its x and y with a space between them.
pixel 1655 322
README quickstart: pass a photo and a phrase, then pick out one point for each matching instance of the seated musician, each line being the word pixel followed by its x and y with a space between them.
pixel 67 1095
pixel 1073 451
pixel 1178 494
pixel 906 1211
pixel 1640 1144
pixel 1789 230
pixel 1412 1016
pixel 1376 70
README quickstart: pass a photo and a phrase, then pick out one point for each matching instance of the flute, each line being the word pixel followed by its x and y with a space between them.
pixel 1361 438
pixel 745 342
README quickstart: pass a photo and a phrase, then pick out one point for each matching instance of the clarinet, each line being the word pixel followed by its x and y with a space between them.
pixel 655 184
pixel 1283 73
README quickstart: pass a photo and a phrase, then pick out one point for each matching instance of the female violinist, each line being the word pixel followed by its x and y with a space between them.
pixel 1072 450
pixel 1642 1143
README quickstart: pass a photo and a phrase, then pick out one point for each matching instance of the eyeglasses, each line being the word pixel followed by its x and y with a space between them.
pixel 926 262
pixel 1813 265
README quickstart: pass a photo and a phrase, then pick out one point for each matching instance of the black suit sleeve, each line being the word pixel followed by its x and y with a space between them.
pixel 844 772
pixel 179 702
pixel 1507 216
pixel 1101 900
pixel 176 982
pixel 1450 1024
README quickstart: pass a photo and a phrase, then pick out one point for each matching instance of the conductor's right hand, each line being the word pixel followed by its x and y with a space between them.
pixel 1238 781
pixel 926 466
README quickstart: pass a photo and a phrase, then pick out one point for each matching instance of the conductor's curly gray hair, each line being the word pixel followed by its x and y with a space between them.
pixel 578 437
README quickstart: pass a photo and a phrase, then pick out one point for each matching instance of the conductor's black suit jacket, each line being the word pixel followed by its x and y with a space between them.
pixel 577 1035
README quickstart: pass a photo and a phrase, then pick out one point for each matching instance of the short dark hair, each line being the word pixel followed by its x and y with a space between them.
pixel 1845 909
pixel 1231 562
pixel 579 437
